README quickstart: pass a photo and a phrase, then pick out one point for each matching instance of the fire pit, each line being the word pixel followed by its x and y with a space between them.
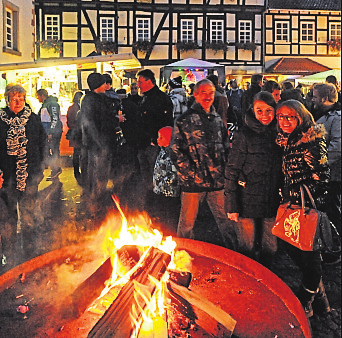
pixel 262 305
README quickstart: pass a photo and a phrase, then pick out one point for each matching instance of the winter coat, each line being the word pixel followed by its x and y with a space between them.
pixel 155 112
pixel 179 101
pixel 332 124
pixel 221 103
pixel 50 114
pixel 199 147
pixel 36 149
pixel 165 180
pixel 72 134
pixel 97 123
pixel 305 161
pixel 253 171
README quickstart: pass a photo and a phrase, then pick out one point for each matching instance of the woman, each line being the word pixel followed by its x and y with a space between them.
pixel 253 180
pixel 23 150
pixel 72 134
pixel 304 162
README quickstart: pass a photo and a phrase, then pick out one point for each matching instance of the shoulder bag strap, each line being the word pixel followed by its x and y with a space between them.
pixel 309 194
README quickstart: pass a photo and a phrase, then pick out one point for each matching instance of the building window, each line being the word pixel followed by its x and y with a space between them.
pixel 187 30
pixel 307 32
pixel 143 30
pixel 10 27
pixel 51 27
pixel 107 29
pixel 282 31
pixel 245 31
pixel 335 31
pixel 216 30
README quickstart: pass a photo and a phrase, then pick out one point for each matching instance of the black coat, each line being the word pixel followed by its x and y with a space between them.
pixel 155 112
pixel 36 150
pixel 253 172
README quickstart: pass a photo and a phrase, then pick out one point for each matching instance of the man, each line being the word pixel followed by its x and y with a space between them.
pixel 51 118
pixel 23 147
pixel 333 80
pixel 199 148
pixel 221 100
pixel 329 113
pixel 234 95
pixel 98 137
pixel 178 96
pixel 155 112
pixel 133 95
pixel 248 95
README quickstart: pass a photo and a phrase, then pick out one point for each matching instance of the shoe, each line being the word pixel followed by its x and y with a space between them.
pixel 54 174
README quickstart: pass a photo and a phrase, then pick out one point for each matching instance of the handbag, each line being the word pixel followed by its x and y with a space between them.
pixel 305 228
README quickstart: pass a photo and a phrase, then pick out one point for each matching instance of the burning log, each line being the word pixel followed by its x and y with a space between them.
pixel 119 320
pixel 210 317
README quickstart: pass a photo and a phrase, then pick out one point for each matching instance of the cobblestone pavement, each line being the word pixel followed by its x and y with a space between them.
pixel 68 221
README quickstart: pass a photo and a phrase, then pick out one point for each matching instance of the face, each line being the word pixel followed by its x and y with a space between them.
pixel 205 96
pixel 316 99
pixel 101 89
pixel 162 141
pixel 1 180
pixel 40 98
pixel 287 120
pixel 16 102
pixel 144 85
pixel 276 94
pixel 263 112
pixel 134 89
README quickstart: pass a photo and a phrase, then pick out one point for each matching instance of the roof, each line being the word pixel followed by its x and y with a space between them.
pixel 193 63
pixel 329 5
pixel 120 62
pixel 296 66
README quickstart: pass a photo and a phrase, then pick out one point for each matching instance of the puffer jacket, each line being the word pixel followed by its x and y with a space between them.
pixel 253 171
pixel 51 116
pixel 332 123
pixel 199 147
pixel 305 161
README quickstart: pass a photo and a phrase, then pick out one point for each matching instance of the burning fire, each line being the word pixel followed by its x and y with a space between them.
pixel 128 246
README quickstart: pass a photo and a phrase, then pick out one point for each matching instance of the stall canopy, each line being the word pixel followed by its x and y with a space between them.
pixel 319 77
pixel 192 64
pixel 121 61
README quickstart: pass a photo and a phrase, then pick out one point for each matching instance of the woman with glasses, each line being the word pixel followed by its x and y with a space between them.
pixel 304 161
pixel 253 180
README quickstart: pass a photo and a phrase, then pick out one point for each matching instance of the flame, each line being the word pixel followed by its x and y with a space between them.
pixel 139 233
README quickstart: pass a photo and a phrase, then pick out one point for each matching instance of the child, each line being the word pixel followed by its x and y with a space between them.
pixel 165 182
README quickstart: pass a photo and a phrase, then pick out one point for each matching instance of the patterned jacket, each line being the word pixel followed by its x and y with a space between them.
pixel 305 161
pixel 165 180
pixel 199 148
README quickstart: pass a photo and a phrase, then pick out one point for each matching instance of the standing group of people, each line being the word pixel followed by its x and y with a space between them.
pixel 183 152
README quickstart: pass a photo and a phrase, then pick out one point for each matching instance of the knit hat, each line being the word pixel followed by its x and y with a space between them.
pixel 166 132
pixel 176 82
pixel 95 80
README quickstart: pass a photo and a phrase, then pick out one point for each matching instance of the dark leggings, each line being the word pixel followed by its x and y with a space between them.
pixel 310 263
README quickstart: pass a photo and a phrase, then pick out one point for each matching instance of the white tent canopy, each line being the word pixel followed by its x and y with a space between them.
pixel 318 77
pixel 192 63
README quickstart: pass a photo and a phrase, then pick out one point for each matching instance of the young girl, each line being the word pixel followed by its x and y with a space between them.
pixel 165 182
pixel 253 181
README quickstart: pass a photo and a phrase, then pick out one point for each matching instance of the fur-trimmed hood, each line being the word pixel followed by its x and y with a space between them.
pixel 314 132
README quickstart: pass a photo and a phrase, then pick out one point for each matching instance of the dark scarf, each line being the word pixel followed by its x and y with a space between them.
pixel 16 143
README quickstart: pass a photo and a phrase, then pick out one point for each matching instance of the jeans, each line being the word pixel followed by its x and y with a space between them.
pixel 189 210
pixel 54 144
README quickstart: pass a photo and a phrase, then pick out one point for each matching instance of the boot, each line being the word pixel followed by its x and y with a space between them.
pixel 320 304
pixel 306 297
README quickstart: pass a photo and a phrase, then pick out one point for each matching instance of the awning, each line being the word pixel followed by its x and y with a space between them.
pixel 296 66
pixel 319 77
pixel 121 61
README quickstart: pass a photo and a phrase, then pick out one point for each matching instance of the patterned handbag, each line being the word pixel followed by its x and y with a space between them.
pixel 305 228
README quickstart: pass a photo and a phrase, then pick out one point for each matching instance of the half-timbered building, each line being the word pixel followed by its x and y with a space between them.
pixel 302 37
pixel 158 32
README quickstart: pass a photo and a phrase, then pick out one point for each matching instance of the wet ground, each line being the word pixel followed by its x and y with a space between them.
pixel 70 219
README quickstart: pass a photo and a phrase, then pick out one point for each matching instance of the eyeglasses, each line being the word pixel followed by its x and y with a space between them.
pixel 290 118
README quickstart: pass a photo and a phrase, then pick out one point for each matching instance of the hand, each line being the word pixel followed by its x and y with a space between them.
pixel 233 216
pixel 121 118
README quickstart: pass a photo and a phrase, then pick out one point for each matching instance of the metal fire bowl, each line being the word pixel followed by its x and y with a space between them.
pixel 257 299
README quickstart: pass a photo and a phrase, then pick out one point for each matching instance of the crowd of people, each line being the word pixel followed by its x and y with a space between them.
pixel 178 145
